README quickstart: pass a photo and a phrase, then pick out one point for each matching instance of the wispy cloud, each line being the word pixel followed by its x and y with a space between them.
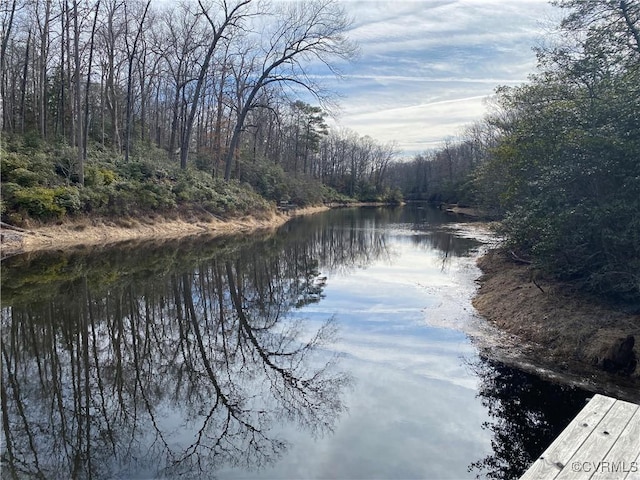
pixel 426 66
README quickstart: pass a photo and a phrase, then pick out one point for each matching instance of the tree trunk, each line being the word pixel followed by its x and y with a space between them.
pixel 132 56
pixel 230 17
pixel 44 52
pixel 3 71
pixel 88 87
pixel 78 93
pixel 23 86
pixel 186 137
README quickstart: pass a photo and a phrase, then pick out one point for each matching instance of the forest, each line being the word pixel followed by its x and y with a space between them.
pixel 115 108
pixel 119 107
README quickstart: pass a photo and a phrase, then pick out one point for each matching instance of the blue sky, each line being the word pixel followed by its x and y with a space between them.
pixel 426 67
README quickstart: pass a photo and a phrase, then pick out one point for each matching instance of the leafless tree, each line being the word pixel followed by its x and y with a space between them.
pixel 232 17
pixel 301 33
pixel 131 54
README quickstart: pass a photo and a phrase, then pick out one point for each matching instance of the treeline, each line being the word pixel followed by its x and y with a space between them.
pixel 214 86
pixel 447 175
pixel 559 157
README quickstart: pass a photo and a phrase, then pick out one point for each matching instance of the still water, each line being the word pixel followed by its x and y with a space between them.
pixel 336 348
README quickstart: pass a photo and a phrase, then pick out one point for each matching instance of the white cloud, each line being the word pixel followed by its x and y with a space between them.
pixel 426 65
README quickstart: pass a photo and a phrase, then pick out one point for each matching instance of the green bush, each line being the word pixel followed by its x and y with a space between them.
pixel 97 175
pixel 138 171
pixel 570 180
pixel 65 161
pixel 9 162
pixel 9 190
pixel 67 198
pixel 23 177
pixel 35 184
pixel 95 199
pixel 393 197
pixel 154 196
pixel 31 141
pixel 38 202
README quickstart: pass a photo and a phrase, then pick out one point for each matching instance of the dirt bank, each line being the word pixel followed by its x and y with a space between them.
pixel 101 231
pixel 557 331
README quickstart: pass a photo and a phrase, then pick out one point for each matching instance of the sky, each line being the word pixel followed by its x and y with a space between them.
pixel 427 67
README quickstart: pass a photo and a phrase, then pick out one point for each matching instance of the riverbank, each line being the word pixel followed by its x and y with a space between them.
pixel 91 231
pixel 557 331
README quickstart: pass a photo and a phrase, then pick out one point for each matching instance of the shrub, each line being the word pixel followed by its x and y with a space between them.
pixel 9 162
pixel 109 176
pixel 9 190
pixel 95 199
pixel 96 175
pixel 155 196
pixel 38 202
pixel 136 170
pixel 31 140
pixel 23 177
pixel 35 184
pixel 66 161
pixel 67 198
pixel 394 196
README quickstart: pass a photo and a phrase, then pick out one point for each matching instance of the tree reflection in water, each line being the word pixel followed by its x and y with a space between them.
pixel 527 412
pixel 168 361
pixel 178 359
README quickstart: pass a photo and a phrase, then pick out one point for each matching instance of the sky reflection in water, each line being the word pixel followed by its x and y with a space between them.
pixel 413 409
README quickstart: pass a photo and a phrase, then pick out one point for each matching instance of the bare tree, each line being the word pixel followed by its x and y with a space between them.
pixel 112 34
pixel 232 16
pixel 88 87
pixel 304 32
pixel 77 103
pixel 44 25
pixel 7 25
pixel 131 54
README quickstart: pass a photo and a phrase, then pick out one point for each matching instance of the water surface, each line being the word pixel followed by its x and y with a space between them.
pixel 335 348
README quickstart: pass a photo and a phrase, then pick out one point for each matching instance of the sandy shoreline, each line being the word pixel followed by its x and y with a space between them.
pixel 553 330
pixel 103 232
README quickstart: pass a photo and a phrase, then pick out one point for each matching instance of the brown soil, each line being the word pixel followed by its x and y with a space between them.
pixel 103 231
pixel 553 329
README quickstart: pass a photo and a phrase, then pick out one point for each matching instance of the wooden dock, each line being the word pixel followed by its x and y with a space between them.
pixel 602 442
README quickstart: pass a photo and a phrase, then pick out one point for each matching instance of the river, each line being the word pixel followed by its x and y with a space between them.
pixel 338 347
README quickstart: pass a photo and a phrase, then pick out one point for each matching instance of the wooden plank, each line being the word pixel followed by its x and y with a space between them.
pixel 592 452
pixel 618 462
pixel 554 458
pixel 634 473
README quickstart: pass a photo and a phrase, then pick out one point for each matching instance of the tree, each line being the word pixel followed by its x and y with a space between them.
pixel 112 36
pixel 131 56
pixel 232 17
pixel 303 140
pixel 88 88
pixel 303 31
pixel 614 22
pixel 77 94
pixel 568 154
pixel 8 15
